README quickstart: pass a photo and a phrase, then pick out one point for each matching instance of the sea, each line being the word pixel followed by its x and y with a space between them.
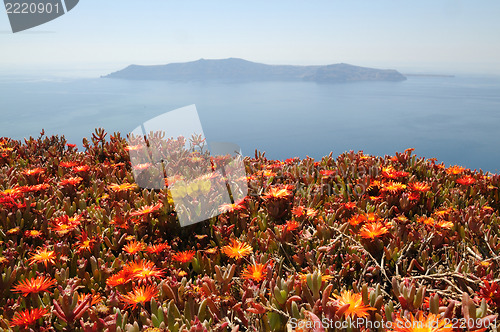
pixel 454 119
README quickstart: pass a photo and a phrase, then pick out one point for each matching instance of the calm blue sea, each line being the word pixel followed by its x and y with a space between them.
pixel 455 119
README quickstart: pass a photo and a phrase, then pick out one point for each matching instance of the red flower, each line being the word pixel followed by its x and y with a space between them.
pixel 455 170
pixel 27 317
pixel 278 193
pixel 85 243
pixel 134 247
pixel 68 164
pixel 254 272
pixel 184 256
pixel 35 188
pixel 33 233
pixel 231 207
pixel 291 225
pixel 419 186
pixel 301 211
pixel 157 248
pixel 82 169
pixel 34 285
pixel 373 230
pixel 120 278
pixel 34 171
pixel 44 256
pixel 491 293
pixel 143 270
pixel 466 180
pixel 63 225
pixel 139 295
pixel 326 173
pixel 145 210
pixel 237 249
pixel 390 173
pixel 73 181
pixel 349 205
pixel 357 219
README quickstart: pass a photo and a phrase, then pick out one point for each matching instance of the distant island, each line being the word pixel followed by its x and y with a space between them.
pixel 234 69
pixel 430 75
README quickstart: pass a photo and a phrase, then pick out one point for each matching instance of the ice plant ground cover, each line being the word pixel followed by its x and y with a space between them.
pixel 333 244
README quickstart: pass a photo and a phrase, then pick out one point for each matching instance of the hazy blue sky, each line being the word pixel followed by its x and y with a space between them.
pixel 419 35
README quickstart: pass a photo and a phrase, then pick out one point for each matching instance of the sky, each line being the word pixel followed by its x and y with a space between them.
pixel 99 36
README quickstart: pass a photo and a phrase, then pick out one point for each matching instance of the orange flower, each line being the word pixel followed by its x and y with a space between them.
pixel 27 317
pixel 68 164
pixel 44 256
pixel 254 272
pixel 145 210
pixel 73 181
pixel 96 298
pixel 134 247
pixel 443 212
pixel 119 222
pixel 419 186
pixel 444 224
pixel 120 278
pixel 371 217
pixel 393 187
pixel 426 220
pixel 33 233
pixel 414 196
pixel 183 256
pixel 13 231
pixel 355 301
pixel 231 207
pixel 375 198
pixel 237 249
pixel 390 173
pixel 301 211
pixel 34 188
pixel 466 180
pixel 144 270
pixel 431 323
pixel 139 295
pixel 34 285
pixel 122 187
pixel 349 205
pixel 267 173
pixel 85 243
pixel 374 184
pixel 278 193
pixel 81 169
pixel 326 173
pixel 455 170
pixel 34 171
pixel 157 248
pixel 12 192
pixel 373 230
pixel 291 225
pixel 357 219
pixel 64 224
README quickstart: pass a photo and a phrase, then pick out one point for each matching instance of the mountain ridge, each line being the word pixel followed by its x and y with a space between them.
pixel 236 69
